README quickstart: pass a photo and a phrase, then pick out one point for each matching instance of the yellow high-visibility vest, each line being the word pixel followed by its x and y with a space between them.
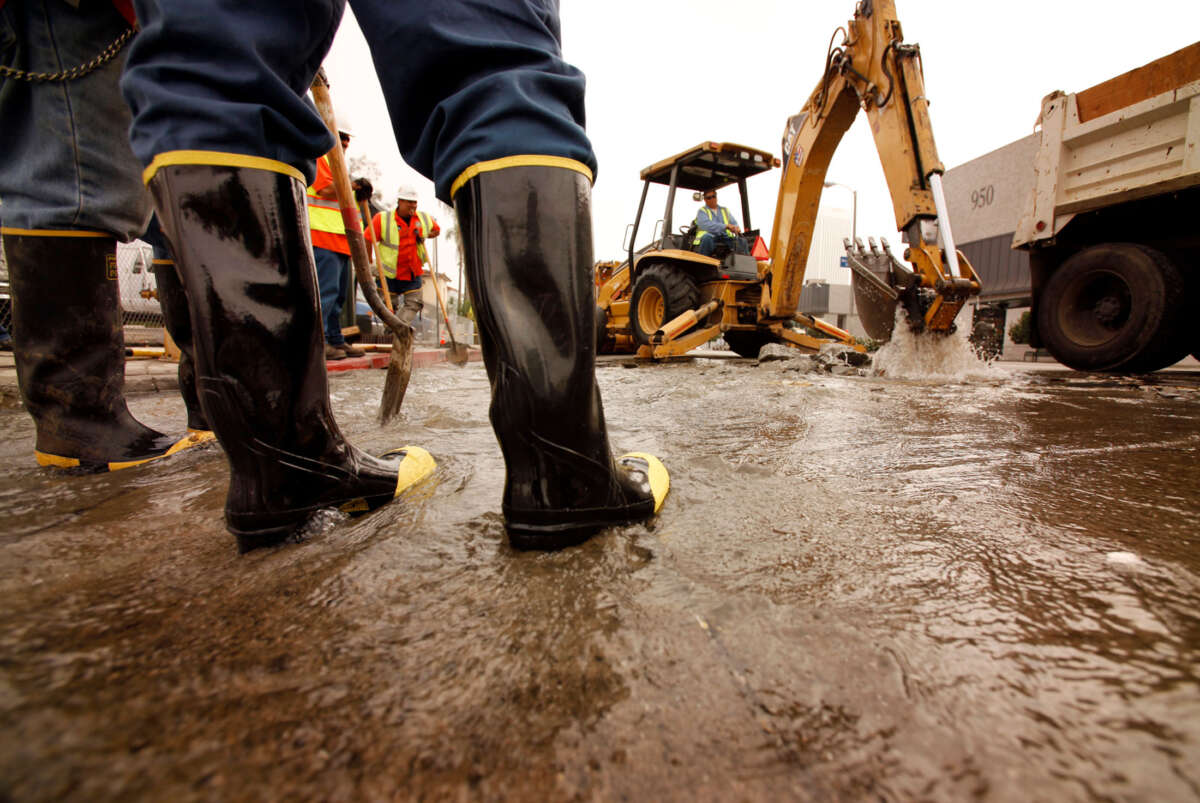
pixel 389 243
pixel 389 240
pixel 426 227
pixel 324 214
pixel 701 232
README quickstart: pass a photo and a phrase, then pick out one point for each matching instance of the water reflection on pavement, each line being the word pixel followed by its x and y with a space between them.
pixel 983 586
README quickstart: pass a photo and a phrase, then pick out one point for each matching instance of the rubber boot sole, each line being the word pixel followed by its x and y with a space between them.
pixel 549 530
pixel 77 465
pixel 258 530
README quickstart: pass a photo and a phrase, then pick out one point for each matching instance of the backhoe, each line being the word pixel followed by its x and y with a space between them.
pixel 667 298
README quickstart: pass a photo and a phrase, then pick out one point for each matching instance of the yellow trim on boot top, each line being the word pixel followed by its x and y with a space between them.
pixel 527 160
pixel 53 232
pixel 660 479
pixel 218 159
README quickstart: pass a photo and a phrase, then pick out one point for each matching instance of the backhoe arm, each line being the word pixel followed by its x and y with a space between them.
pixel 873 69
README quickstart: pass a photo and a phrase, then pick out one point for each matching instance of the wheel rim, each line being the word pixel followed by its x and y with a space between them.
pixel 652 306
pixel 1096 308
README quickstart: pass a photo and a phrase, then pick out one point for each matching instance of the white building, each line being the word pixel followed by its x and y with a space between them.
pixel 827 294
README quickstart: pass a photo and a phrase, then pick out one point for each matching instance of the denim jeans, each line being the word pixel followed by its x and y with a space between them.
pixel 333 272
pixel 65 159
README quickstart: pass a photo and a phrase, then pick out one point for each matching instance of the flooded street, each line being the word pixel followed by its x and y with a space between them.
pixel 979 586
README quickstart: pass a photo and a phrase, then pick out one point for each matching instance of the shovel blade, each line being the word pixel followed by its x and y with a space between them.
pixel 458 354
pixel 399 370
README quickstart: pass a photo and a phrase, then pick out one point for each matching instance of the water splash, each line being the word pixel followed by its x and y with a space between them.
pixel 944 358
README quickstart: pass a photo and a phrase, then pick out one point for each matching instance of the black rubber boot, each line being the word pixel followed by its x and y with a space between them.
pixel 178 323
pixel 527 243
pixel 70 353
pixel 241 244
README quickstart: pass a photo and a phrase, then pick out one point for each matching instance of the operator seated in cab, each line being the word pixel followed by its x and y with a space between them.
pixel 716 226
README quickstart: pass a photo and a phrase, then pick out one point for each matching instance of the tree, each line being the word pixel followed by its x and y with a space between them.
pixel 362 166
pixel 1019 331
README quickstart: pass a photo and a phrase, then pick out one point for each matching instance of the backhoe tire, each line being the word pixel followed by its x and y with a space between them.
pixel 603 343
pixel 660 293
pixel 746 343
pixel 1117 307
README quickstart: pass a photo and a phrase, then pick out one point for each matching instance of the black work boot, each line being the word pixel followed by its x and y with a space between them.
pixel 178 323
pixel 527 243
pixel 241 244
pixel 70 353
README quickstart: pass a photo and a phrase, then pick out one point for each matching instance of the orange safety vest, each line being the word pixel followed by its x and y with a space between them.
pixel 325 215
pixel 400 247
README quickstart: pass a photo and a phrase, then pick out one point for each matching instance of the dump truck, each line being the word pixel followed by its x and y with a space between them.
pixel 666 298
pixel 1092 220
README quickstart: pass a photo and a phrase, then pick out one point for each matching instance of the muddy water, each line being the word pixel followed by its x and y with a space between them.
pixel 982 585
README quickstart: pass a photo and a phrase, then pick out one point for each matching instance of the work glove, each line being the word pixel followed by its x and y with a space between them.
pixel 362 189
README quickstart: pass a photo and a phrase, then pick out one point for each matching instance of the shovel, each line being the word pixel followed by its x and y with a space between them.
pixel 399 368
pixel 373 256
pixel 458 351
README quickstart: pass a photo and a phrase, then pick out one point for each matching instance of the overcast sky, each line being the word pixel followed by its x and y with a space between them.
pixel 664 76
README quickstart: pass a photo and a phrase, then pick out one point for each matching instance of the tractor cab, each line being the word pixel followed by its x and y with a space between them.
pixel 708 166
pixel 668 275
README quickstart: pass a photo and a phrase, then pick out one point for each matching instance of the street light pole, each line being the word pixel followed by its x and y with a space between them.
pixel 853 207
pixel 853 227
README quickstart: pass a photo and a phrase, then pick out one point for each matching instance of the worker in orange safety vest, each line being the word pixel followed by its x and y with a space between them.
pixel 399 235
pixel 331 251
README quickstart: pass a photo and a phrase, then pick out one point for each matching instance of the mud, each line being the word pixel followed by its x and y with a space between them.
pixel 975 585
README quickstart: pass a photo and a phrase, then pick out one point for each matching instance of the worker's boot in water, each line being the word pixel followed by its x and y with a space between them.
pixel 70 353
pixel 240 240
pixel 527 243
pixel 178 323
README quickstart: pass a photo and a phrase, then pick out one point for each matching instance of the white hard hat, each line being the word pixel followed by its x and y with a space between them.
pixel 406 193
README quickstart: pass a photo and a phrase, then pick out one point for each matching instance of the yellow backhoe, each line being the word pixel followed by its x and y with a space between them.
pixel 667 298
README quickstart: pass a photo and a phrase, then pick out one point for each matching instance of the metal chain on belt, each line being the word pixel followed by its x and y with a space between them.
pixel 105 56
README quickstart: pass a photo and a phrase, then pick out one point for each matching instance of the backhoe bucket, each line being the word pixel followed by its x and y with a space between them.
pixel 878 281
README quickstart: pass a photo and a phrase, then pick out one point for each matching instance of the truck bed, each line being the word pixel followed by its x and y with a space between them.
pixel 1095 152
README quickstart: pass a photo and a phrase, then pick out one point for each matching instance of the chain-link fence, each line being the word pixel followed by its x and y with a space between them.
pixel 138 287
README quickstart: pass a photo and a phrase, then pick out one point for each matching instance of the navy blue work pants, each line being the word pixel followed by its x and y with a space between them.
pixel 333 275
pixel 709 242
pixel 466 81
pixel 401 286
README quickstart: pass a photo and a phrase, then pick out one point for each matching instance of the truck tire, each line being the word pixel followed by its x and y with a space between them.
pixel 1177 340
pixel 1114 307
pixel 746 343
pixel 660 293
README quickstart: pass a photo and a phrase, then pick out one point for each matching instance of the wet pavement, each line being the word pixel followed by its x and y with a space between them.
pixel 942 584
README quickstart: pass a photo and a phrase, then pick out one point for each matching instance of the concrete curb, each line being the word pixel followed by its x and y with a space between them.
pixel 147 375
pixel 421 358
